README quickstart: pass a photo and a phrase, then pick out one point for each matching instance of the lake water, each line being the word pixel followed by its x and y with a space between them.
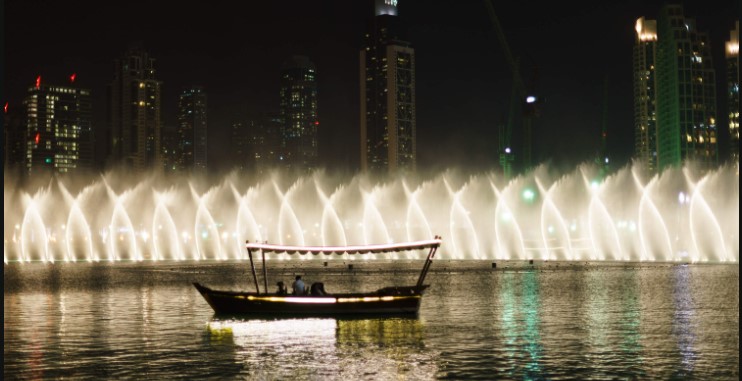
pixel 519 321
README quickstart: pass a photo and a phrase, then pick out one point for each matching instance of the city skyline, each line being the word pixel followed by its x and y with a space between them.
pixel 463 83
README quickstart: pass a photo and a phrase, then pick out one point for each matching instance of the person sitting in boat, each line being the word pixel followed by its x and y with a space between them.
pixel 281 289
pixel 318 289
pixel 298 286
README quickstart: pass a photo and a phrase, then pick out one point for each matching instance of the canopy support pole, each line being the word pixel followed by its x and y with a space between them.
pixel 265 272
pixel 252 266
pixel 427 264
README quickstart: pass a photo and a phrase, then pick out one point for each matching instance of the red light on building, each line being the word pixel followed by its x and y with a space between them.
pixel 6 107
pixel 72 77
pixel 38 82
pixel 316 123
pixel 38 137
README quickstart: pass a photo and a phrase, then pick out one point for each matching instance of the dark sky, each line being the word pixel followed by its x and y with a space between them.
pixel 235 50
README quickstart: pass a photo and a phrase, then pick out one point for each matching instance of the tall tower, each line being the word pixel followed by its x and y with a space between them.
pixel 192 128
pixel 14 130
pixel 645 111
pixel 685 92
pixel 387 79
pixel 732 55
pixel 299 113
pixel 135 113
pixel 58 128
pixel 265 142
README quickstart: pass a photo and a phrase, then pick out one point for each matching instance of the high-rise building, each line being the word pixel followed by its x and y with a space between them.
pixel 387 78
pixel 14 132
pixel 685 92
pixel 267 151
pixel 298 98
pixel 240 144
pixel 645 110
pixel 170 149
pixel 135 113
pixel 732 55
pixel 59 134
pixel 192 128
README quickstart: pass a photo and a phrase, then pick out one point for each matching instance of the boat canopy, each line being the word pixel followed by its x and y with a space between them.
pixel 356 249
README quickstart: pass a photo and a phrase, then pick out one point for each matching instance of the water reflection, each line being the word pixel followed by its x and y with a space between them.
pixel 335 348
pixel 558 322
pixel 682 323
pixel 520 323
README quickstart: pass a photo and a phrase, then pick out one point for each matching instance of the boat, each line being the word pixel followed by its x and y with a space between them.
pixel 391 300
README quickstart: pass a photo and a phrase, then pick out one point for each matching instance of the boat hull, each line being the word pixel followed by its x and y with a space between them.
pixel 387 301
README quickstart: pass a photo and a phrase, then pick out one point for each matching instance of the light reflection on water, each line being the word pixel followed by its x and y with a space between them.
pixel 547 322
pixel 327 347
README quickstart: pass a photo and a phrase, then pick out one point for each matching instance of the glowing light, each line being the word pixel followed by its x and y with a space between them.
pixel 507 150
pixel 356 249
pixel 6 107
pixel 291 299
pixel 72 77
pixel 530 99
pixel 529 195
pixel 38 82
pixel 646 30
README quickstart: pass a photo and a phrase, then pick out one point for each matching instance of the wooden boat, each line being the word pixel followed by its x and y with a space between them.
pixel 393 300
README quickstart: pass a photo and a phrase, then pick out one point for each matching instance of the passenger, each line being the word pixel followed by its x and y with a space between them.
pixel 281 289
pixel 318 289
pixel 298 286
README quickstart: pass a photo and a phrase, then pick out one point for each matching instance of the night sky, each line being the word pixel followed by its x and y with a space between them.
pixel 568 50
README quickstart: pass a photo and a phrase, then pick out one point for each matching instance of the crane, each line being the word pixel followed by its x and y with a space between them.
pixel 519 96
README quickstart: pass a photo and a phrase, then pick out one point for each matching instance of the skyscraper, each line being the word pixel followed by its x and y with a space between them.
pixel 14 130
pixel 192 128
pixel 387 78
pixel 685 92
pixel 170 146
pixel 298 97
pixel 645 110
pixel 732 55
pixel 240 148
pixel 265 142
pixel 58 128
pixel 135 113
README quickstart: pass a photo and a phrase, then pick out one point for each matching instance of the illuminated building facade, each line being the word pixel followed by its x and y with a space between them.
pixel 732 55
pixel 58 126
pixel 135 112
pixel 298 96
pixel 685 93
pixel 387 81
pixel 192 129
pixel 645 111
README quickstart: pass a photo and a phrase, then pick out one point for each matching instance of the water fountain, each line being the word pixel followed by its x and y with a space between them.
pixel 679 215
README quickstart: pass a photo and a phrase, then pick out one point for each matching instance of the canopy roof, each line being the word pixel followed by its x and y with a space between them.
pixel 356 249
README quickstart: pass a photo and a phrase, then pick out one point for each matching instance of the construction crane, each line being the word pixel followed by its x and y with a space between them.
pixel 519 97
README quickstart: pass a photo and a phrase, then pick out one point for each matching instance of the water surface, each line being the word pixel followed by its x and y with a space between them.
pixel 546 321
